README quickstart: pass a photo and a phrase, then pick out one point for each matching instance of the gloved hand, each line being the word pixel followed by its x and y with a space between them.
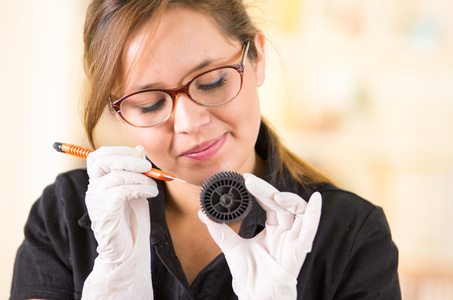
pixel 267 266
pixel 119 213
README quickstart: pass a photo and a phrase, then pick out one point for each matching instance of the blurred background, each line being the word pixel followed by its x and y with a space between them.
pixel 360 88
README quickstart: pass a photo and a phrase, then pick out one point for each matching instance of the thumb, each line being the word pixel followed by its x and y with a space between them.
pixel 140 151
pixel 225 237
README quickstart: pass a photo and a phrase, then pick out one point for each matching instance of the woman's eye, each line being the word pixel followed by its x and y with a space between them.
pixel 220 81
pixel 156 106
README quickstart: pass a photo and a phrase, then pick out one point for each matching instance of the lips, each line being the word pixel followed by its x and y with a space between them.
pixel 206 150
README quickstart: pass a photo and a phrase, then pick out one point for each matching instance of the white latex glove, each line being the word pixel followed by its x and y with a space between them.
pixel 119 213
pixel 267 266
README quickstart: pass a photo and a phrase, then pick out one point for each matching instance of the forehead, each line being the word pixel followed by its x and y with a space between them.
pixel 182 39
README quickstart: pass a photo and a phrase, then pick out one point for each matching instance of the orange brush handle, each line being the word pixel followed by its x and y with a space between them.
pixel 75 150
pixel 159 174
pixel 83 153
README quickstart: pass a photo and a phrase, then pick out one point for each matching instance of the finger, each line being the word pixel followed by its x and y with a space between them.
pixel 264 195
pixel 271 218
pixel 115 197
pixel 106 159
pixel 310 225
pixel 262 190
pixel 104 165
pixel 140 151
pixel 130 192
pixel 119 178
pixel 291 202
pixel 291 205
pixel 221 233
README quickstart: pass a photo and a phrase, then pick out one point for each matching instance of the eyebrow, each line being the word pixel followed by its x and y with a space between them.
pixel 198 67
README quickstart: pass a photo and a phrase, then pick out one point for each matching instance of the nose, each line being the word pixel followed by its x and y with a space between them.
pixel 189 116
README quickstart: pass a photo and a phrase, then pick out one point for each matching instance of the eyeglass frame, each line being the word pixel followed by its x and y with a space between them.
pixel 239 67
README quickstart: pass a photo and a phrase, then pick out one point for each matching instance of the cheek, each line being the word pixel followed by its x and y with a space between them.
pixel 243 117
pixel 154 141
pixel 252 115
pixel 249 104
pixel 240 114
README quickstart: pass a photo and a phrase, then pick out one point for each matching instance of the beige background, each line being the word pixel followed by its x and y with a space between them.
pixel 361 88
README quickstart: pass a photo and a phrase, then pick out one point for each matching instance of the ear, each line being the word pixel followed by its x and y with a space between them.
pixel 260 63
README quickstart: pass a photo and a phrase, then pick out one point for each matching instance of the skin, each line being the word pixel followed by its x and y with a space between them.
pixel 184 40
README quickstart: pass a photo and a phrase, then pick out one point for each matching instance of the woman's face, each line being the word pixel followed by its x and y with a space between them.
pixel 196 141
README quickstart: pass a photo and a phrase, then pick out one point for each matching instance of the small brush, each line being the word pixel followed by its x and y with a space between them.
pixel 83 153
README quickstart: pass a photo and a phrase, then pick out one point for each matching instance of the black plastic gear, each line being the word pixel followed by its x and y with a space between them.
pixel 224 197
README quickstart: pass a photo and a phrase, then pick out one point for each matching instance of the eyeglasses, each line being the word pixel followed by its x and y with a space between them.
pixel 151 107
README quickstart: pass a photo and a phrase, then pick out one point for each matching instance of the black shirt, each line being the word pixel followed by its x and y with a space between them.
pixel 353 256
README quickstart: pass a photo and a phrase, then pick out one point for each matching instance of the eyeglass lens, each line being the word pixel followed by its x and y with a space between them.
pixel 149 108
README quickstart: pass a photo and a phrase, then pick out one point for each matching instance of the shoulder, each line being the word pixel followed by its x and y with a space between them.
pixel 353 249
pixel 346 208
pixel 63 200
pixel 71 184
pixel 59 216
pixel 350 223
pixel 55 238
pixel 358 225
pixel 74 180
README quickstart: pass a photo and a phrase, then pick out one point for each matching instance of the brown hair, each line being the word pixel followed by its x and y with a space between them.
pixel 301 170
pixel 108 25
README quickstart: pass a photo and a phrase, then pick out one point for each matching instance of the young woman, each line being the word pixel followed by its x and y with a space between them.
pixel 182 77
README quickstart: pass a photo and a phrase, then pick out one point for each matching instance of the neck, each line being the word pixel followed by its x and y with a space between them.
pixel 182 199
